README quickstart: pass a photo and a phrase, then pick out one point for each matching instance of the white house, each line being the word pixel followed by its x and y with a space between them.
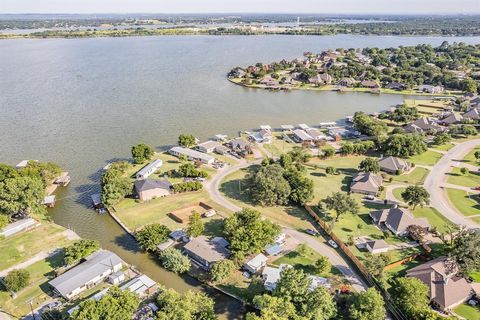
pixel 141 285
pixel 192 155
pixel 301 136
pixel 149 169
pixel 208 146
pixel 18 226
pixel 256 264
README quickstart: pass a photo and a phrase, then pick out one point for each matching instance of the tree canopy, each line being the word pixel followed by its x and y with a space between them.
pixel 196 226
pixel 404 145
pixel 369 165
pixel 173 260
pixel 410 295
pixel 221 270
pixel 151 236
pixel 369 125
pixel 340 203
pixel 416 195
pixel 367 305
pixel 186 140
pixel 466 250
pixel 79 249
pixel 191 305
pixel 114 186
pixel 16 280
pixel 268 187
pixel 141 153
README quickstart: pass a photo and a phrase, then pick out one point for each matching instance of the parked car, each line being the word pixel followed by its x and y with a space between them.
pixel 311 232
pixel 371 198
pixel 332 243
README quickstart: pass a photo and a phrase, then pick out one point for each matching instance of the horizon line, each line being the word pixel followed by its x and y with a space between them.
pixel 251 13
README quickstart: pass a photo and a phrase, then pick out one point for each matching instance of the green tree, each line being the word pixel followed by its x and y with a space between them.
pixel 47 171
pixel 221 270
pixel 173 260
pixel 4 220
pixel 78 250
pixel 404 145
pixel 268 187
pixel 341 203
pixel 16 280
pixel 52 314
pixel 286 161
pixel 410 295
pixel 151 236
pixel 477 155
pixel 191 305
pixel 330 170
pixel 273 308
pixel 22 196
pixel 375 264
pixel 196 226
pixel 442 138
pixel 114 187
pixel 416 195
pixel 186 140
pixel 141 153
pixel 328 152
pixel 367 305
pixel 323 265
pixel 470 85
pixel 403 114
pixel 248 233
pixel 369 125
pixel 293 285
pixel 468 130
pixel 466 250
pixel 301 187
pixel 369 165
pixel 7 172
pixel 115 304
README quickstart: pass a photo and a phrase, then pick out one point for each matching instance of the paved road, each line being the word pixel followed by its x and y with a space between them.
pixel 212 187
pixel 437 178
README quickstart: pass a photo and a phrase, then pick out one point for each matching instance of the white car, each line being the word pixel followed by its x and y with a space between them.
pixel 333 243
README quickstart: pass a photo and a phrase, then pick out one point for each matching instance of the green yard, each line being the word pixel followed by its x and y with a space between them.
pixel 278 145
pixel 444 147
pixel 470 157
pixel 435 218
pixel 397 193
pixel 22 246
pixel 416 176
pixel 428 158
pixel 471 179
pixel 467 204
pixel 468 312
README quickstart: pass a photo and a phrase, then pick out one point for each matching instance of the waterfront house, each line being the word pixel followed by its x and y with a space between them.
pixel 315 134
pixel 262 136
pixel 142 286
pixel 347 82
pixel 370 84
pixel 395 86
pixel 430 89
pixel 393 165
pixel 148 189
pixel 205 252
pixel 366 183
pixel 424 125
pixel 452 118
pixel 301 136
pixel 96 268
pixel 208 146
pixel 116 278
pixel 269 81
pixel 149 169
pixel 239 144
pixel 377 246
pixel 265 127
pixel 446 288
pixel 397 220
pixel 18 226
pixel 256 263
pixel 192 155
pixel 221 149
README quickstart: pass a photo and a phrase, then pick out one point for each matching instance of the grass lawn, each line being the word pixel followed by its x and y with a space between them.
pixel 136 215
pixel 470 179
pixel 325 185
pixel 349 162
pixel 443 147
pixel 428 158
pixel 466 204
pixel 22 246
pixel 417 176
pixel 435 218
pixel 476 219
pixel 278 145
pixel 40 273
pixel 475 276
pixel 305 260
pixel 291 216
pixel 468 312
pixel 470 157
pixel 397 193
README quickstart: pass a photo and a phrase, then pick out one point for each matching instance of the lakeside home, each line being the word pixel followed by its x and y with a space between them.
pixel 301 136
pixel 192 155
pixel 18 226
pixel 205 252
pixel 149 189
pixel 208 146
pixel 149 169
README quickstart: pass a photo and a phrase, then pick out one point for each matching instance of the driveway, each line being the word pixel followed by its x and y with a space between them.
pixel 437 178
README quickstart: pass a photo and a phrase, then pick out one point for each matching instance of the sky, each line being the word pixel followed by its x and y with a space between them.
pixel 242 6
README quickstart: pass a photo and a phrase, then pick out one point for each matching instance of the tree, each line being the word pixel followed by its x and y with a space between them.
pixel 186 140
pixel 463 171
pixel 299 155
pixel 115 304
pixel 410 295
pixel 376 263
pixel 477 155
pixel 189 170
pixel 328 152
pixel 46 171
pixel 196 226
pixel 403 114
pixel 404 145
pixel 369 125
pixel 330 170
pixel 151 236
pixel 221 270
pixel 173 260
pixel 417 233
pixel 52 314
pixel 340 203
pixel 466 250
pixel 268 187
pixel 16 280
pixel 22 196
pixel 442 138
pixel 7 172
pixel 78 250
pixel 293 285
pixel 191 305
pixel 470 86
pixel 416 195
pixel 369 165
pixel 301 186
pixel 248 233
pixel 367 305
pixel 4 220
pixel 141 153
pixel 468 130
pixel 114 187
pixel 323 265
pixel 273 308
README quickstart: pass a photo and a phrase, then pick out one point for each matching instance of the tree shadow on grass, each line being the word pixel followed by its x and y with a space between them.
pixel 318 174
pixel 214 228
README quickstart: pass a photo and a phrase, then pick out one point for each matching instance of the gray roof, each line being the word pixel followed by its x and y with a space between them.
pixel 206 249
pixel 399 219
pixel 192 153
pixel 366 181
pixel 154 165
pixel 378 244
pixel 393 164
pixel 95 265
pixel 149 184
pixel 302 135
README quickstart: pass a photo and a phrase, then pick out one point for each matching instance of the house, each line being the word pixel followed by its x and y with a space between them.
pixel 397 220
pixel 239 144
pixel 393 165
pixel 366 183
pixel 256 264
pixel 377 246
pixel 142 286
pixel 370 84
pixel 262 136
pixel 192 155
pixel 424 125
pixel 430 89
pixel 221 149
pixel 452 118
pixel 97 267
pixel 395 86
pixel 18 226
pixel 287 127
pixel 301 136
pixel 271 276
pixel 148 189
pixel 446 289
pixel 303 126
pixel 472 114
pixel 149 169
pixel 208 146
pixel 347 82
pixel 206 252
pixel 116 278
pixel 269 81
pixel 315 134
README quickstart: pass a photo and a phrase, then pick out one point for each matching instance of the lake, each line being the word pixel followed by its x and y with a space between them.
pixel 84 102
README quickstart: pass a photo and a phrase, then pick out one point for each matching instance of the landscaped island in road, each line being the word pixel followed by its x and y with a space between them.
pixel 447 69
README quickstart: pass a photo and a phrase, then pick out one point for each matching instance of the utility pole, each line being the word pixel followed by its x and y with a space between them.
pixel 31 308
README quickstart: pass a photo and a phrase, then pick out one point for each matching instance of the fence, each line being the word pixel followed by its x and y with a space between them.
pixel 394 311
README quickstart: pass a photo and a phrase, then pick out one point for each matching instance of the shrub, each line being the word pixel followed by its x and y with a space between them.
pixel 221 270
pixel 187 186
pixel 16 280
pixel 79 250
pixel 173 260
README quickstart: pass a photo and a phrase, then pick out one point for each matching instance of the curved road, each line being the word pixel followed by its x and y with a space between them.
pixel 437 178
pixel 213 186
